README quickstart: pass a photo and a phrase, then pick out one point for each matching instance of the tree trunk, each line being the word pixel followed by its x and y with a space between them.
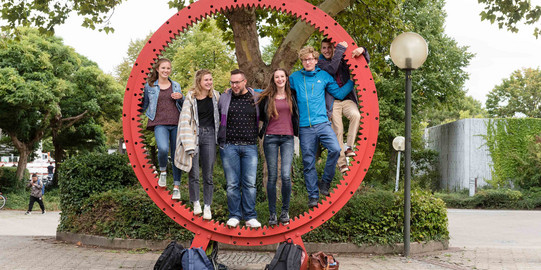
pixel 243 23
pixel 58 158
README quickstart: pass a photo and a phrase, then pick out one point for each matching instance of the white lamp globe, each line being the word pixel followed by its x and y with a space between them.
pixel 409 50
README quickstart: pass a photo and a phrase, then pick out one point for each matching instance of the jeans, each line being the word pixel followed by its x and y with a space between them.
pixel 309 138
pixel 271 144
pixel 206 155
pixel 166 139
pixel 240 168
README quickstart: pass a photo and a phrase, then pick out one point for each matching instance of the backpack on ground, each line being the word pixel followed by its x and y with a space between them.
pixel 171 257
pixel 288 256
pixel 196 259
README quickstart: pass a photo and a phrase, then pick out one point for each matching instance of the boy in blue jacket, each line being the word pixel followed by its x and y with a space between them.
pixel 310 84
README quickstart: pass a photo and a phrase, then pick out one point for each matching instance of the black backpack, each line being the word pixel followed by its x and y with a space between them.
pixel 171 257
pixel 288 257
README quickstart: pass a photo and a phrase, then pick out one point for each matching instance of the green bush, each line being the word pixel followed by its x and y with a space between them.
pixel 496 198
pixel 84 175
pixel 8 179
pixel 124 213
pixel 376 217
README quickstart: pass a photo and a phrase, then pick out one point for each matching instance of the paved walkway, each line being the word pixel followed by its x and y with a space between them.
pixel 479 240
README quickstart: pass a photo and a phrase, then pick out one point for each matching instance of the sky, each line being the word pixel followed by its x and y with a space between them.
pixel 497 52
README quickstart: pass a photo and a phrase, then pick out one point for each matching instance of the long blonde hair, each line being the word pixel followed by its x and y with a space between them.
pixel 154 72
pixel 196 88
pixel 271 91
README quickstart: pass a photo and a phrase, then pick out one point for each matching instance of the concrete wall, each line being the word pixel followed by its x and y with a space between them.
pixel 463 154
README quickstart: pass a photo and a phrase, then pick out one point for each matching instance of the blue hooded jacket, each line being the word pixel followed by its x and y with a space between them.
pixel 310 87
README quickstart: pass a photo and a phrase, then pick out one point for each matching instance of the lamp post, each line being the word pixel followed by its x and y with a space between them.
pixel 398 145
pixel 408 51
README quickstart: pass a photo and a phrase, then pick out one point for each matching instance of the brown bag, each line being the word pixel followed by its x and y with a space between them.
pixel 322 261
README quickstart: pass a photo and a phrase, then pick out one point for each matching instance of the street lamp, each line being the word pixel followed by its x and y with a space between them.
pixel 408 51
pixel 399 146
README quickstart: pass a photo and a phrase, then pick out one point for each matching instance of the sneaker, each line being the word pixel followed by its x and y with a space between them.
pixel 324 188
pixel 43 212
pixel 206 213
pixel 272 220
pixel 284 218
pixel 27 213
pixel 197 208
pixel 233 222
pixel 162 182
pixel 312 202
pixel 349 152
pixel 344 168
pixel 176 194
pixel 253 223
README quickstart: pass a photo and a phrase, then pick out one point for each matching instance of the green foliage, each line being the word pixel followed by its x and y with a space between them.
pixel 201 47
pixel 93 173
pixel 124 213
pixel 376 217
pixel 514 151
pixel 518 95
pixel 494 199
pixel 511 13
pixel 9 181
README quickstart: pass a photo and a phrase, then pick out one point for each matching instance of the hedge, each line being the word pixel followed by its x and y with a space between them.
pixel 8 179
pixel 371 216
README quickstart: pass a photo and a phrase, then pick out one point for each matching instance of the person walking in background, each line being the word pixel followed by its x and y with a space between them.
pixel 162 103
pixel 332 60
pixel 280 116
pixel 50 171
pixel 197 139
pixel 237 137
pixel 310 84
pixel 35 194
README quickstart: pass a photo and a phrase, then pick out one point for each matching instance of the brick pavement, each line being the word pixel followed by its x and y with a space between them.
pixel 20 251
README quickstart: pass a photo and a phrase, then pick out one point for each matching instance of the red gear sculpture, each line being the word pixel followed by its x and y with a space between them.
pixel 212 230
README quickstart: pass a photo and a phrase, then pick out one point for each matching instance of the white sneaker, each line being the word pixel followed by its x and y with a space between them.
pixel 206 212
pixel 162 182
pixel 253 223
pixel 176 194
pixel 233 222
pixel 197 208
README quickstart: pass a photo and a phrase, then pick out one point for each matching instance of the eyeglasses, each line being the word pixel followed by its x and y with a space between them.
pixel 238 82
pixel 308 60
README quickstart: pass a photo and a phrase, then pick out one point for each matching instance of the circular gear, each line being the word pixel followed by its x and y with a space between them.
pixel 211 230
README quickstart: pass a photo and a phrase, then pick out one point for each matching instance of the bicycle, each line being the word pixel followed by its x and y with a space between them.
pixel 2 200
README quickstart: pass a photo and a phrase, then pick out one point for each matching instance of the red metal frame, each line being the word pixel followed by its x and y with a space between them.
pixel 212 230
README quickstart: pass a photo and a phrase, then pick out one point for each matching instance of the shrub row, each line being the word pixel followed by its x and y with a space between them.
pixel 494 199
pixel 125 211
pixel 8 179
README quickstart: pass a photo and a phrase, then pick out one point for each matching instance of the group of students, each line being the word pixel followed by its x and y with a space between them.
pixel 190 127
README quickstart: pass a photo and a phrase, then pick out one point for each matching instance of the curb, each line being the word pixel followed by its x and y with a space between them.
pixel 119 243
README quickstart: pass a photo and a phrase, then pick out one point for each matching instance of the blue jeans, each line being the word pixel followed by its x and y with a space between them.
pixel 166 139
pixel 309 138
pixel 271 144
pixel 240 168
pixel 206 155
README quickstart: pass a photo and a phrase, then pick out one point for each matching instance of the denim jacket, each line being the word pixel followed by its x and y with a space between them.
pixel 150 98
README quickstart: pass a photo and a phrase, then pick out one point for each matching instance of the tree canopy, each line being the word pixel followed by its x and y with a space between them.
pixel 519 95
pixel 45 88
pixel 508 14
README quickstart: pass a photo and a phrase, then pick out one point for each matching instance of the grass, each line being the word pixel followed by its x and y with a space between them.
pixel 19 200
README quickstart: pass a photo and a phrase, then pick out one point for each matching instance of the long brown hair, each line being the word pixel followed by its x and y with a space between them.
pixel 271 91
pixel 154 72
pixel 196 88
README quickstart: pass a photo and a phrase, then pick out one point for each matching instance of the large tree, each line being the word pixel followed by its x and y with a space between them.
pixel 46 86
pixel 519 95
